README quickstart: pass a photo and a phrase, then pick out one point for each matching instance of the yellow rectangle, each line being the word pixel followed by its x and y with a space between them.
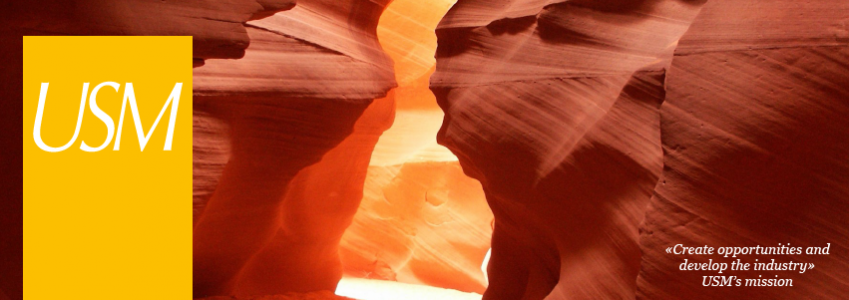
pixel 107 224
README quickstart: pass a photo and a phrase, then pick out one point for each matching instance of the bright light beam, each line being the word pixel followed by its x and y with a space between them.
pixel 370 289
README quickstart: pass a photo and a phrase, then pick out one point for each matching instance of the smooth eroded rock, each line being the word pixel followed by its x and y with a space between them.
pixel 754 136
pixel 553 106
pixel 302 89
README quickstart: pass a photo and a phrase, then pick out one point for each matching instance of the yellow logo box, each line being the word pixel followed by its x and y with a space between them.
pixel 107 168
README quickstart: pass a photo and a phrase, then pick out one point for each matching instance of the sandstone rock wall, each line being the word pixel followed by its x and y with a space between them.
pixel 600 133
pixel 217 27
pixel 553 106
pixel 290 108
pixel 754 131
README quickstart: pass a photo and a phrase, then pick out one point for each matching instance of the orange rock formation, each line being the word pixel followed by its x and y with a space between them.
pixel 598 132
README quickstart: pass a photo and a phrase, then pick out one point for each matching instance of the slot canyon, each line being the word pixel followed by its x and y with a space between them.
pixel 497 149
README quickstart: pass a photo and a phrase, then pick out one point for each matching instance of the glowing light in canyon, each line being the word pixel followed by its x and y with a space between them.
pixel 366 289
pixel 427 221
pixel 406 33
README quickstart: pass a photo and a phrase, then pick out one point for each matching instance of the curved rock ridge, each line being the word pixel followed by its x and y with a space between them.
pixel 319 49
pixel 272 140
pixel 301 124
pixel 217 27
pixel 319 205
pixel 562 40
pixel 754 136
pixel 473 14
pixel 749 25
pixel 553 106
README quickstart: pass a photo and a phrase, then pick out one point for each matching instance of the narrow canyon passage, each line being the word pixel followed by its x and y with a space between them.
pixel 495 149
pixel 421 220
pixel 568 124
pixel 421 229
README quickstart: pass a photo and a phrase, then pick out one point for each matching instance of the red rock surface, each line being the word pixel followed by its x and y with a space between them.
pixel 307 78
pixel 595 147
pixel 319 205
pixel 319 49
pixel 543 106
pixel 217 27
pixel 323 198
pixel 755 137
pixel 754 89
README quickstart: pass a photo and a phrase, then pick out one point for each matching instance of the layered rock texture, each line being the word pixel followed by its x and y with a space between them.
pixel 295 123
pixel 218 31
pixel 554 107
pixel 585 137
pixel 217 27
pixel 754 132
pixel 421 220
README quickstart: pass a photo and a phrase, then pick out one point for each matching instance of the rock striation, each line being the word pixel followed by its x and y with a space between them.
pixel 553 106
pixel 754 135
pixel 594 145
pixel 300 127
pixel 217 27
pixel 598 133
